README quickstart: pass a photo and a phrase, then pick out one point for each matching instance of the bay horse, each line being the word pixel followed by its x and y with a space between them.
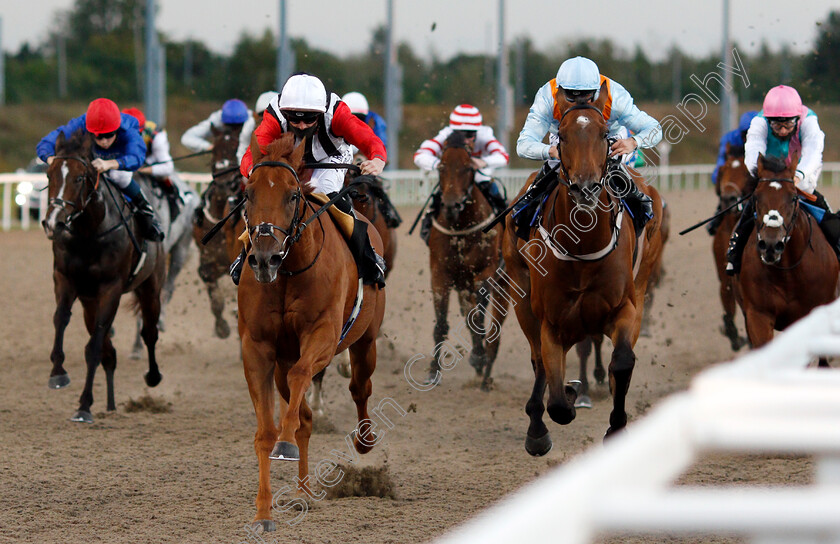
pixel 214 260
pixel 95 261
pixel 368 195
pixel 295 297
pixel 464 258
pixel 733 178
pixel 578 273
pixel 177 243
pixel 788 267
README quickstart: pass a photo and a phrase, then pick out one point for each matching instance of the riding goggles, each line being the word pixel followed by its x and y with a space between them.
pixel 105 135
pixel 307 117
pixel 467 133
pixel 783 122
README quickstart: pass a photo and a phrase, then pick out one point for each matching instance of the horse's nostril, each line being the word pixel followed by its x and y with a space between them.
pixel 252 260
pixel 275 261
pixel 779 247
pixel 762 245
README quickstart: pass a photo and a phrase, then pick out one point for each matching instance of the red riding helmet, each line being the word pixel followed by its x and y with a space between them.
pixel 137 114
pixel 103 116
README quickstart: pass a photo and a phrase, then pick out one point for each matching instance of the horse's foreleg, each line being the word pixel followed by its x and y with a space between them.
pixel 584 350
pixel 759 327
pixel 730 330
pixel 537 441
pixel 109 364
pixel 99 316
pixel 492 338
pixel 561 399
pixel 625 330
pixel 64 298
pixel 314 395
pixel 474 309
pixel 210 271
pixel 440 301
pixel 363 363
pixel 599 372
pixel 259 363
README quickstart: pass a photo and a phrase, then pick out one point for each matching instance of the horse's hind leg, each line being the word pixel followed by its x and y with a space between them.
pixel 474 308
pixel 99 316
pixel 109 364
pixel 363 360
pixel 599 372
pixel 148 294
pixel 64 298
pixel 493 336
pixel 209 274
pixel 584 350
pixel 440 301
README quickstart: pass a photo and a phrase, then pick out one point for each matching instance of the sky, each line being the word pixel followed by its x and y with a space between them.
pixel 449 27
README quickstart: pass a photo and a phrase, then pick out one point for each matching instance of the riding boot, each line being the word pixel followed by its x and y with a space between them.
pixel 623 186
pixel 542 182
pixel 143 212
pixel 738 241
pixel 236 266
pixel 370 264
pixel 431 213
pixel 713 225
pixel 494 196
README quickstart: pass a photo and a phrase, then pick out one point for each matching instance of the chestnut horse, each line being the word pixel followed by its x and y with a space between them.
pixel 295 297
pixel 788 267
pixel 95 260
pixel 733 178
pixel 591 285
pixel 464 258
pixel 214 261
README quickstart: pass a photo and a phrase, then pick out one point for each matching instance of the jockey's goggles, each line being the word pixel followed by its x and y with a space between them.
pixel 105 135
pixel 307 117
pixel 467 133
pixel 783 122
pixel 579 95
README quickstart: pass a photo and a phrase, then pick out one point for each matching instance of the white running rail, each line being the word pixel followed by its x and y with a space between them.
pixel 406 187
pixel 766 402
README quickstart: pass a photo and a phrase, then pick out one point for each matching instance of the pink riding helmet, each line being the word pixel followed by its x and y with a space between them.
pixel 782 101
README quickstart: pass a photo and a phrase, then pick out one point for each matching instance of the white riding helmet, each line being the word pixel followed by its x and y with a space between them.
pixel 579 74
pixel 356 102
pixel 264 100
pixel 303 92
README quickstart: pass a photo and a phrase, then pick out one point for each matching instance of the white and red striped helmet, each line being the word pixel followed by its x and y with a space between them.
pixel 465 117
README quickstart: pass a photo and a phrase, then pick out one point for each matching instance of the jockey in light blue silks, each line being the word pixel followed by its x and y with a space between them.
pixel 579 81
pixel 782 129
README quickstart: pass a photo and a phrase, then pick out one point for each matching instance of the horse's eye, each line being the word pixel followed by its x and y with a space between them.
pixel 80 179
pixel 294 197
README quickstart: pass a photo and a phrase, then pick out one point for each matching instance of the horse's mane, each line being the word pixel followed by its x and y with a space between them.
pixel 774 164
pixel 735 151
pixel 78 144
pixel 456 139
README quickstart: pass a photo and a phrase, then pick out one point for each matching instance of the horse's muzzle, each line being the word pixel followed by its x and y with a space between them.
pixel 265 265
pixel 585 194
pixel 770 252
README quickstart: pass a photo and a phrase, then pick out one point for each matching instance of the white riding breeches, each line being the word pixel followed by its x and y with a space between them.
pixel 120 178
pixel 329 180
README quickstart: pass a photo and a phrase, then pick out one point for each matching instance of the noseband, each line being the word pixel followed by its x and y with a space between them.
pixel 296 227
pixel 788 228
pixel 60 202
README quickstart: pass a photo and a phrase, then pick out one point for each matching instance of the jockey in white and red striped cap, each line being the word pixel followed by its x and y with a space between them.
pixel 487 154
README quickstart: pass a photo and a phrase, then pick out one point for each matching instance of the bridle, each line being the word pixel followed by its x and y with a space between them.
pixel 465 200
pixel 787 227
pixel 566 179
pixel 296 227
pixel 67 204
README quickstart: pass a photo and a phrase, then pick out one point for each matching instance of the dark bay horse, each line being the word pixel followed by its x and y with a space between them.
pixel 295 297
pixel 733 178
pixel 578 273
pixel 464 258
pixel 214 260
pixel 95 261
pixel 368 196
pixel 788 267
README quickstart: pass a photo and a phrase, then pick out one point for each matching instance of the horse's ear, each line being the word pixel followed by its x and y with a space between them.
pixel 560 100
pixel 256 152
pixel 728 150
pixel 602 97
pixel 214 131
pixel 790 171
pixel 59 142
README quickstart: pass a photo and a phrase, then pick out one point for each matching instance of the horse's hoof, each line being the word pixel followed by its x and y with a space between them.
pixel 371 439
pixel 59 381
pixel 152 379
pixel 344 369
pixel 611 432
pixel 644 333
pixel 583 401
pixel 285 451
pixel 573 389
pixel 135 354
pixel 222 328
pixel 487 385
pixel 600 376
pixel 434 377
pixel 538 446
pixel 263 526
pixel 82 417
pixel 161 326
pixel 477 362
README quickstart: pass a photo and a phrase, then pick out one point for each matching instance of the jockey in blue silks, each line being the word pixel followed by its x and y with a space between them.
pixel 735 139
pixel 579 81
pixel 358 105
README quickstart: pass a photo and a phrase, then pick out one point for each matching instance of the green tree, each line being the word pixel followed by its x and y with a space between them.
pixel 823 67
